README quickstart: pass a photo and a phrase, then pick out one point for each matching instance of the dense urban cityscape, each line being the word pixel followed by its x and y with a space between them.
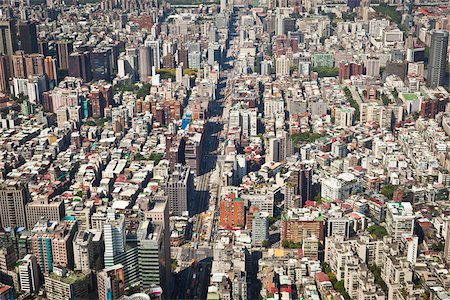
pixel 224 149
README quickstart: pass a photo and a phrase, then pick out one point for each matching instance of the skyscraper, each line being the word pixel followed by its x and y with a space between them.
pixel 65 47
pixel 178 188
pixel 13 198
pixel 8 41
pixel 145 63
pixel 438 58
pixel 28 37
pixel 80 65
pixel 154 255
pixel 114 236
pixel 101 64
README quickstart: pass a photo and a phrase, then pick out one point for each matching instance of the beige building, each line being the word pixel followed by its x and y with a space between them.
pixel 67 286
pixel 13 198
pixel 43 208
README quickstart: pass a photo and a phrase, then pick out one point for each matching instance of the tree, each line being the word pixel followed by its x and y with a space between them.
pixel 377 231
pixel 326 71
pixel 265 244
pixel 388 190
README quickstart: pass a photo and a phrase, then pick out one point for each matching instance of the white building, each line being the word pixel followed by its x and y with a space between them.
pixel 399 219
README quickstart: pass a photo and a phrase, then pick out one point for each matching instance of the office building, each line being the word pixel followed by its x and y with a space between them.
pixel 41 207
pixel 178 188
pixel 50 69
pixel 52 244
pixel 29 274
pixel 145 63
pixel 260 228
pixel 214 53
pixel 301 178
pixel 438 59
pixel 154 255
pixel 399 219
pixel 27 38
pixel 80 65
pixel 83 250
pixel 8 40
pixel 64 48
pixel 114 237
pixel 155 53
pixel 101 64
pixel 111 283
pixel 13 198
pixel 4 73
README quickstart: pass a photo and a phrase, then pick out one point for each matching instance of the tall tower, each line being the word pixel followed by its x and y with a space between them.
pixel 438 58
pixel 8 41
pixel 28 37
pixel 13 197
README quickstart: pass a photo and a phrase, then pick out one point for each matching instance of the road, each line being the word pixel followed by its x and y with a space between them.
pixel 195 260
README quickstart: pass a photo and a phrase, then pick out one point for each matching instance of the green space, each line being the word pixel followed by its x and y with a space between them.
pixel 377 231
pixel 353 103
pixel 391 13
pixel 376 271
pixel 309 137
pixel 291 245
pixel 410 97
pixel 326 71
pixel 388 191
pixel 156 157
pixel 141 90
pixel 338 285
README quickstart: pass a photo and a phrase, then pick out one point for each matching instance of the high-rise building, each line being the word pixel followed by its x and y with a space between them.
pixel 154 255
pixel 260 228
pixel 301 177
pixel 178 187
pixel 155 53
pixel 52 244
pixel 28 37
pixel 111 283
pixel 83 250
pixel 4 73
pixel 114 237
pixel 373 66
pixel 80 65
pixel 64 47
pixel 447 245
pixel 8 40
pixel 344 116
pixel 50 69
pixel 145 63
pixel 98 103
pixel 399 219
pixel 42 207
pixel 299 224
pixel 29 274
pixel 18 65
pixel 283 65
pixel 232 212
pixel 13 198
pixel 101 64
pixel 438 58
